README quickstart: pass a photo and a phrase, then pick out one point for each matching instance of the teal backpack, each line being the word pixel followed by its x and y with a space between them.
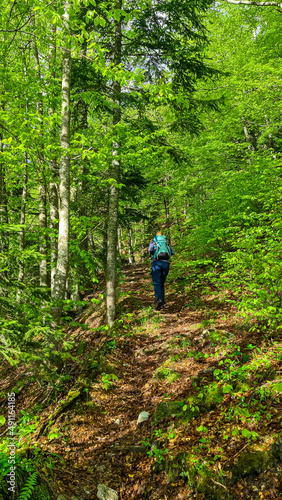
pixel 161 248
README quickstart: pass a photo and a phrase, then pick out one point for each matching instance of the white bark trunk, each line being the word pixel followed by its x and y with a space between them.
pixel 111 271
pixel 22 231
pixel 43 279
pixel 53 185
pixel 64 189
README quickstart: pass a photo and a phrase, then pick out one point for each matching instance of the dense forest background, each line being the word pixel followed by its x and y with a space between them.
pixel 166 123
pixel 118 118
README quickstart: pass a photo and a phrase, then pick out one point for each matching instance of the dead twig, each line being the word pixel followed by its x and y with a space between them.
pixel 237 453
pixel 219 484
pixel 268 384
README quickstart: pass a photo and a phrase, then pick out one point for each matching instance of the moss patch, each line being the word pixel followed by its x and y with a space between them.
pixel 250 463
pixel 168 409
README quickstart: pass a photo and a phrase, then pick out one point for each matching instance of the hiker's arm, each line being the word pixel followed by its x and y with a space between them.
pixel 171 250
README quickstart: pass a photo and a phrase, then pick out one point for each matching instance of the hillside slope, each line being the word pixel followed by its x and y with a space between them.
pixel 210 386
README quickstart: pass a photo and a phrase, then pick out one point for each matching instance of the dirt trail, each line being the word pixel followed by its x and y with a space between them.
pixel 110 452
pixel 99 439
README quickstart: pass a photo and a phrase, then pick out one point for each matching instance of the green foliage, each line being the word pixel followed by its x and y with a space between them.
pixel 108 379
pixel 28 488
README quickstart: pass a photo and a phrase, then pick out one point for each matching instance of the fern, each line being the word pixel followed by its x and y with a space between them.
pixel 28 488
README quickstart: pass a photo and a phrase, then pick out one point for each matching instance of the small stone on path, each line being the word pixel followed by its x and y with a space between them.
pixel 106 493
pixel 143 417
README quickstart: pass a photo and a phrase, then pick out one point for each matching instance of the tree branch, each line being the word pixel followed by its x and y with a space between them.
pixel 251 2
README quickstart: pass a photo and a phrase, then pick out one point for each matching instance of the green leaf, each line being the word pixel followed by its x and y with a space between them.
pixel 227 389
pixel 246 433
pixel 202 429
pixel 117 14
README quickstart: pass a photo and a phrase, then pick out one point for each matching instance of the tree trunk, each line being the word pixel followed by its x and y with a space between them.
pixel 64 188
pixel 54 216
pixel 119 244
pixel 167 222
pixel 53 184
pixel 111 273
pixel 130 249
pixel 22 231
pixel 4 240
pixel 43 280
pixel 250 138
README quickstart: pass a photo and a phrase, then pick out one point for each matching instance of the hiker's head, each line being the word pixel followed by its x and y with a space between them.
pixel 159 233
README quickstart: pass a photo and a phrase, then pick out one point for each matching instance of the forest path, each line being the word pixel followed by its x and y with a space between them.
pixel 105 440
pixel 154 356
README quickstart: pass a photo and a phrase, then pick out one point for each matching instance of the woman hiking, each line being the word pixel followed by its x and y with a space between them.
pixel 160 252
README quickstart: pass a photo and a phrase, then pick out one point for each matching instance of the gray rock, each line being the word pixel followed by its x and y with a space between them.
pixel 210 369
pixel 117 422
pixel 143 417
pixel 106 493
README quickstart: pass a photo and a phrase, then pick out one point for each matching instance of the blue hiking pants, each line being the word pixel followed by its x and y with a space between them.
pixel 160 269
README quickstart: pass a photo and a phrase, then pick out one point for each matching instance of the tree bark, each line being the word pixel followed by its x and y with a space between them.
pixel 4 241
pixel 54 216
pixel 250 138
pixel 254 3
pixel 22 224
pixel 167 219
pixel 61 274
pixel 53 184
pixel 111 271
pixel 131 257
pixel 43 281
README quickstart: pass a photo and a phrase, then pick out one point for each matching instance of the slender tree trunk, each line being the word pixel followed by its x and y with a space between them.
pixel 53 184
pixel 167 220
pixel 4 240
pixel 250 138
pixel 111 273
pixel 54 216
pixel 60 278
pixel 119 245
pixel 43 279
pixel 24 195
pixel 22 223
pixel 270 143
pixel 130 249
pixel 143 250
pixel 82 207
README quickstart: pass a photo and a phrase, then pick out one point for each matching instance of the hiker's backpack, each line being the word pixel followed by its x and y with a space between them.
pixel 161 248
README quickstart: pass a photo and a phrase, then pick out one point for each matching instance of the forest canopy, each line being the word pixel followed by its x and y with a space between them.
pixel 121 120
pixel 118 117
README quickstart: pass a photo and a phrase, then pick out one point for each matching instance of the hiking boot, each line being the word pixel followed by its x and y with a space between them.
pixel 159 305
